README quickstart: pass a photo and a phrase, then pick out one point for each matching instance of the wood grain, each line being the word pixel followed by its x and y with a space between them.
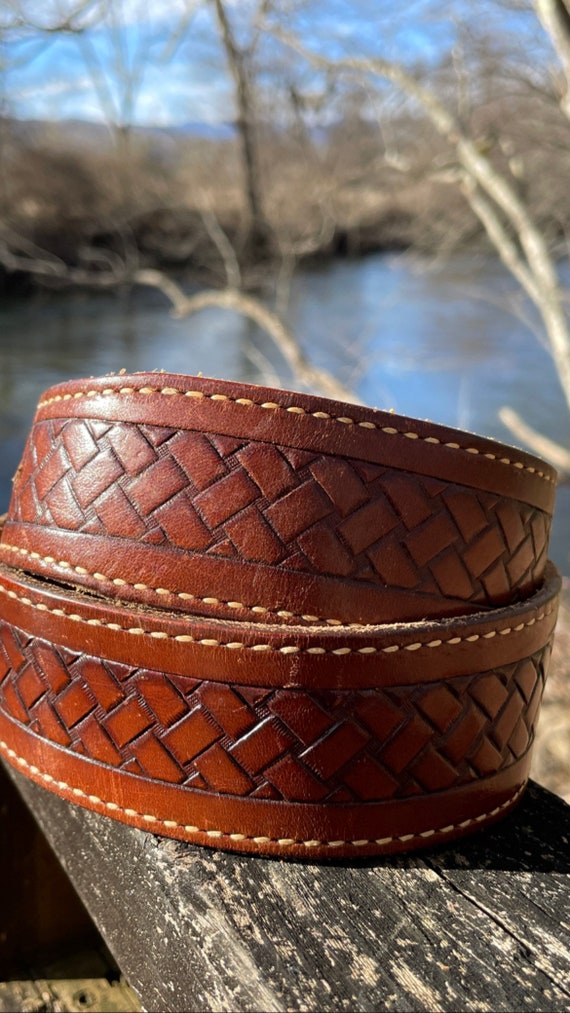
pixel 480 926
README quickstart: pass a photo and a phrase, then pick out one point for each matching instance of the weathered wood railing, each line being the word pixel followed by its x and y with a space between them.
pixel 482 925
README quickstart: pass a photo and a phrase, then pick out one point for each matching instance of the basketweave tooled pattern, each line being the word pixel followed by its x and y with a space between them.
pixel 218 495
pixel 328 745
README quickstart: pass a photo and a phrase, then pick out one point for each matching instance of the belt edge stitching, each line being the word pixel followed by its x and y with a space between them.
pixel 163 591
pixel 297 410
pixel 284 649
pixel 63 786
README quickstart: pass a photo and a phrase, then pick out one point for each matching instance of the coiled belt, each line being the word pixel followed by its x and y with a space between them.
pixel 270 622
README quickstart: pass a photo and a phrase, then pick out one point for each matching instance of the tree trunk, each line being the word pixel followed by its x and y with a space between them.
pixel 259 233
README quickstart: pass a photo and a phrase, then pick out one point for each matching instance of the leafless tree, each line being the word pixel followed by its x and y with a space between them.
pixel 239 61
pixel 456 135
pixel 493 195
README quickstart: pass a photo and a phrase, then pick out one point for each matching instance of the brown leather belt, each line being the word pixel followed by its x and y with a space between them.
pixel 270 622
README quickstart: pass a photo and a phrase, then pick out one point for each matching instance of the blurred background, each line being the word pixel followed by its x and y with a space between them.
pixel 360 198
pixel 365 199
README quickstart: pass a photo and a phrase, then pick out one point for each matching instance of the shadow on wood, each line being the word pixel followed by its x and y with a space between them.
pixel 40 911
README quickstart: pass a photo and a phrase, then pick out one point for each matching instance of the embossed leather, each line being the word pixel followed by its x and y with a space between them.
pixel 317 743
pixel 270 622
pixel 209 496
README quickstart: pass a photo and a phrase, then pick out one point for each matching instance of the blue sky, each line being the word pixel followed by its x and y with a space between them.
pixel 65 76
pixel 184 79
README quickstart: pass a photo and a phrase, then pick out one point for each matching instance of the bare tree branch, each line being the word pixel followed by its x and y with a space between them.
pixel 270 376
pixel 68 22
pixel 230 299
pixel 545 289
pixel 221 242
pixel 500 238
pixel 554 17
pixel 551 451
pixel 52 268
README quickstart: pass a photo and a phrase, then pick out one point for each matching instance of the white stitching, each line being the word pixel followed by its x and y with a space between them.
pixel 294 409
pixel 286 648
pixel 284 842
pixel 162 592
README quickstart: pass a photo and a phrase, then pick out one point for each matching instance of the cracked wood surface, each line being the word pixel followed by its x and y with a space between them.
pixel 480 926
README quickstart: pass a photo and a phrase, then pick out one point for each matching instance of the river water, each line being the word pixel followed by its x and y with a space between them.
pixel 438 343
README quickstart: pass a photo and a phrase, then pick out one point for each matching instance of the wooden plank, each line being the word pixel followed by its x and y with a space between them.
pixel 480 926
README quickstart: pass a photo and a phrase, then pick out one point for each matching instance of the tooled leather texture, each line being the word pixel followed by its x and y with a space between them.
pixel 271 622
pixel 443 713
pixel 273 743
pixel 309 423
pixel 200 500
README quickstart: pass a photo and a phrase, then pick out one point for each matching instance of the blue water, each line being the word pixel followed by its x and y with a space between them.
pixel 436 344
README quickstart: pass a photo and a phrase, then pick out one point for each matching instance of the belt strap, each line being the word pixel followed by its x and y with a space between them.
pixel 218 498
pixel 269 622
pixel 284 741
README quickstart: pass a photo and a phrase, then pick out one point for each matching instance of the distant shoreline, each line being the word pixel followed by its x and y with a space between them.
pixel 77 197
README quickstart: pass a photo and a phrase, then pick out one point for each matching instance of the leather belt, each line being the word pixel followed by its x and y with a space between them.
pixel 252 723
pixel 227 499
